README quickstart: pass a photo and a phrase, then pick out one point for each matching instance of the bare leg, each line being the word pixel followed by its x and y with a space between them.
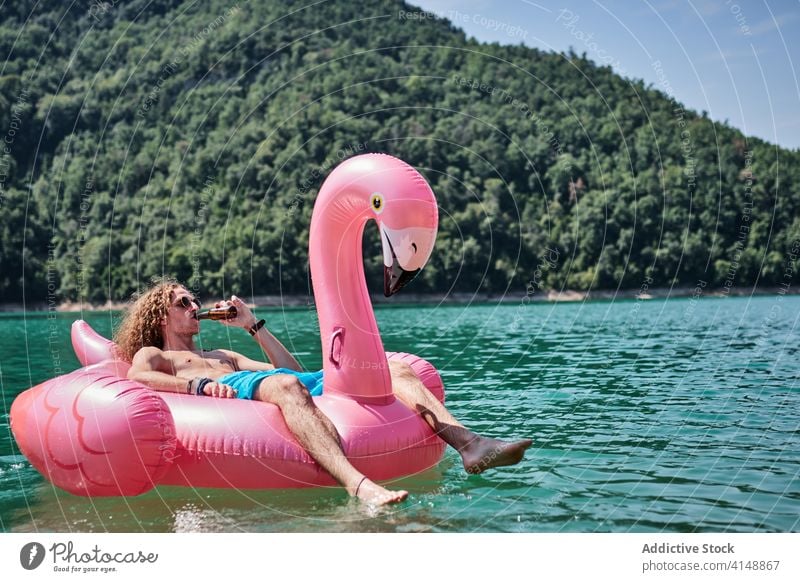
pixel 317 435
pixel 477 452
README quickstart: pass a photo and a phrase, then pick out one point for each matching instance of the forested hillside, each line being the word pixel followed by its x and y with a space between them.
pixel 190 138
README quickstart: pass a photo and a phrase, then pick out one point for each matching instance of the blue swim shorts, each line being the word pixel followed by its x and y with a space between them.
pixel 246 382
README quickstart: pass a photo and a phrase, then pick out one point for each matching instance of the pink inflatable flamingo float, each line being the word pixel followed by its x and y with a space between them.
pixel 94 432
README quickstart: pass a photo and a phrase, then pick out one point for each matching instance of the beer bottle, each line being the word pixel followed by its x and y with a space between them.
pixel 218 313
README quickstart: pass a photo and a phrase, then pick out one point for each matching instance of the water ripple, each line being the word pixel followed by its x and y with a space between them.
pixel 646 416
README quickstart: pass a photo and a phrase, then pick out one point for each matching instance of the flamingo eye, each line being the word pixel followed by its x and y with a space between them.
pixel 376 201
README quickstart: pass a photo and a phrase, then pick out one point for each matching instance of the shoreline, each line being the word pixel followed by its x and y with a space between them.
pixel 565 296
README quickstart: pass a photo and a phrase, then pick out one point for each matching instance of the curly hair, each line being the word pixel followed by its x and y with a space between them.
pixel 141 325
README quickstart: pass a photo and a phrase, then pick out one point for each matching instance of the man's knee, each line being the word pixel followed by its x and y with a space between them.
pixel 405 383
pixel 401 370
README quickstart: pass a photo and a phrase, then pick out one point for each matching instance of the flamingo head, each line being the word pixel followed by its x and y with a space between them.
pixel 405 252
pixel 397 197
pixel 402 203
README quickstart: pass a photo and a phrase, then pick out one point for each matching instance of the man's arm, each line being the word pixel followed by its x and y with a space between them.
pixel 150 367
pixel 272 347
pixel 275 350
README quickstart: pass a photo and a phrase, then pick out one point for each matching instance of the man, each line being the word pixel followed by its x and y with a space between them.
pixel 157 336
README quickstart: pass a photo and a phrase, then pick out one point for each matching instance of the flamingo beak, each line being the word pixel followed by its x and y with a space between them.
pixel 405 252
pixel 395 277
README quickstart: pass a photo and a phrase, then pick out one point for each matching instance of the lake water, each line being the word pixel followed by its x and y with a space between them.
pixel 661 415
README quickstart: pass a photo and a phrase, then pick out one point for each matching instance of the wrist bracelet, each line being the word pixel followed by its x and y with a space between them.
pixel 201 383
pixel 256 326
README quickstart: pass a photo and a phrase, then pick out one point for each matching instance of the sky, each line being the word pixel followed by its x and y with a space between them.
pixel 737 60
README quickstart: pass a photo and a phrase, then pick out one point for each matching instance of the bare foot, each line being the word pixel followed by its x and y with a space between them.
pixel 484 453
pixel 374 494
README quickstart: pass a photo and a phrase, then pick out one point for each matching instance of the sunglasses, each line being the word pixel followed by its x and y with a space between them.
pixel 186 302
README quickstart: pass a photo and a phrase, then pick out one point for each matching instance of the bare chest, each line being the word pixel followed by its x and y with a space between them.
pixel 212 364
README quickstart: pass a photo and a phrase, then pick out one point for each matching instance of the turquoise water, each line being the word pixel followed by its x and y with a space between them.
pixel 678 415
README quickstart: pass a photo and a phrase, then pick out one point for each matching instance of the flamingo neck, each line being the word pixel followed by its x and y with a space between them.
pixel 354 360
